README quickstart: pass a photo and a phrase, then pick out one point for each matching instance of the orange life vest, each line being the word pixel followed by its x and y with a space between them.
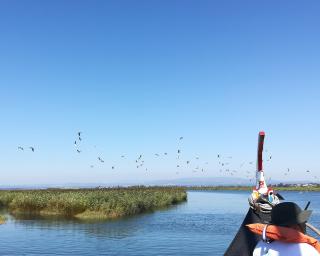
pixel 284 234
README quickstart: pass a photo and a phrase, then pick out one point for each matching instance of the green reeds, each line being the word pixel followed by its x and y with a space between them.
pixel 90 203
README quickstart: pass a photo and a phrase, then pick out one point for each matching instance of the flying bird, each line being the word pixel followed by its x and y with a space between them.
pixel 100 159
pixel 78 150
pixel 32 148
pixel 79 136
pixel 181 138
pixel 21 148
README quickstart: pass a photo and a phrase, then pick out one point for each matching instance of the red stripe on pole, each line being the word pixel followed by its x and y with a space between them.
pixel 260 149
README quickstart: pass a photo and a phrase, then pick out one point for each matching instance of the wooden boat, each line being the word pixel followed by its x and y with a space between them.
pixel 261 202
pixel 245 241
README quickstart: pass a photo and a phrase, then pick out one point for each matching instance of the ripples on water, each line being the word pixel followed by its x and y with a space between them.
pixel 205 225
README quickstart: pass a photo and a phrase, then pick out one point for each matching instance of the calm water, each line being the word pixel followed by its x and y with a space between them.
pixel 205 225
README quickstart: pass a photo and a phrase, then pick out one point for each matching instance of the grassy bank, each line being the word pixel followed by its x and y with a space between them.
pixel 90 203
pixel 248 188
pixel 2 219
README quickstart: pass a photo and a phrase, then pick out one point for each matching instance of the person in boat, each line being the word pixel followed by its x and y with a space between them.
pixel 286 234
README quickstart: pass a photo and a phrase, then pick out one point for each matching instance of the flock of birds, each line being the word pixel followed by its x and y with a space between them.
pixel 224 162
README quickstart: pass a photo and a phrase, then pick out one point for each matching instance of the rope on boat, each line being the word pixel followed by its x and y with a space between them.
pixel 262 203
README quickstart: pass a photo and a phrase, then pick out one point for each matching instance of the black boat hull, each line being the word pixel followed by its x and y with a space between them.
pixel 245 241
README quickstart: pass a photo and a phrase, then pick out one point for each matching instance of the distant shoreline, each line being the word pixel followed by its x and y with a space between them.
pixel 249 188
pixel 279 187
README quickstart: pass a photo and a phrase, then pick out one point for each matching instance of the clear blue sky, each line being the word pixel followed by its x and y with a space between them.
pixel 134 76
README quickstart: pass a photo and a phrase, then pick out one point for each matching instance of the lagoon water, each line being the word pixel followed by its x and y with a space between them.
pixel 204 225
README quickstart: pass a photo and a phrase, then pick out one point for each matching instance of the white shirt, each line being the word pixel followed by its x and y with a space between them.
pixel 277 248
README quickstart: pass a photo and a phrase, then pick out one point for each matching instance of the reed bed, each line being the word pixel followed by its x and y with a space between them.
pixel 90 203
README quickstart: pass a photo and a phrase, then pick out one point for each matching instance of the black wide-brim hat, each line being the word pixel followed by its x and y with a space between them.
pixel 289 213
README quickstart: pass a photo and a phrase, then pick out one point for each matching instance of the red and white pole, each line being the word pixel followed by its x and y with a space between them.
pixel 261 185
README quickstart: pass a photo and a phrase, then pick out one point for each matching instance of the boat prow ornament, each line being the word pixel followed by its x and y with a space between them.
pixel 262 198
